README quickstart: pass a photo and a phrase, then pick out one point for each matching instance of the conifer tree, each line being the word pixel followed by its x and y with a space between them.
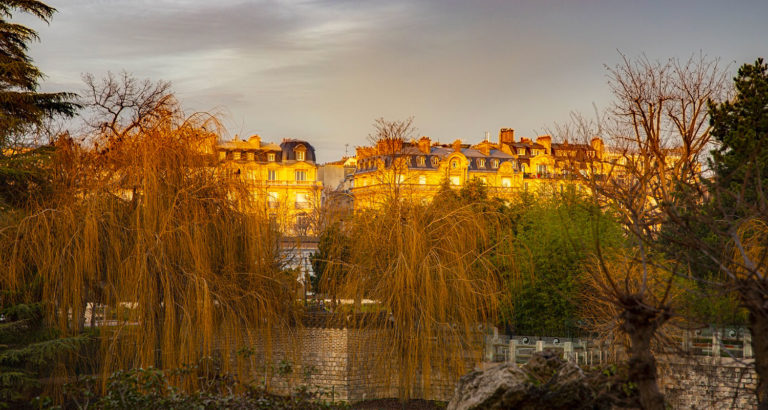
pixel 739 198
pixel 21 105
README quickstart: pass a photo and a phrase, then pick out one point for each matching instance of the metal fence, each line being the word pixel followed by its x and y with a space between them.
pixel 712 342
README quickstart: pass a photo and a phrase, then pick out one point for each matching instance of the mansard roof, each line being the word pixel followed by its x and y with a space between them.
pixel 289 147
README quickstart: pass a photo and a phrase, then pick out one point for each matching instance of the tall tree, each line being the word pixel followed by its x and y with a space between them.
pixel 659 128
pixel 740 216
pixel 21 105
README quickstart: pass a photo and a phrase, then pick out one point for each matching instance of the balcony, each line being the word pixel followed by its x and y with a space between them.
pixel 314 184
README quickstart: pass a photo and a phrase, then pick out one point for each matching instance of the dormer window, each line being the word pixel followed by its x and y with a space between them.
pixel 454 164
pixel 481 163
pixel 434 161
pixel 495 163
pixel 271 157
pixel 521 151
pixel 299 155
pixel 421 161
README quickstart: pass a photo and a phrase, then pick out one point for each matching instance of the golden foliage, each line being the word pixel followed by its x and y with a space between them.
pixel 145 229
pixel 429 271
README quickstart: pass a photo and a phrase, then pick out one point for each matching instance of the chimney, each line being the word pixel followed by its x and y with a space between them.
pixel 457 145
pixel 506 136
pixel 255 140
pixel 546 141
pixel 424 144
pixel 597 145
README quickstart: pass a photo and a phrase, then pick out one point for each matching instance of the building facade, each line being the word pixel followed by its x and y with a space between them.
pixel 282 179
pixel 415 170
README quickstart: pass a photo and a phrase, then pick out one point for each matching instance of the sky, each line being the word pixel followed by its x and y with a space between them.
pixel 324 70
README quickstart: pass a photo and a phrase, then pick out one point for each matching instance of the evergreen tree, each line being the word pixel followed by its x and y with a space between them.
pixel 21 106
pixel 739 192
pixel 741 128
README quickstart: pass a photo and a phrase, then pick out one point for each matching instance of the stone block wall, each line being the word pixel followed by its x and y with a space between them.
pixel 708 383
pixel 339 362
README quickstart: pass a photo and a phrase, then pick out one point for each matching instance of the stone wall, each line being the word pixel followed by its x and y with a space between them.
pixel 338 362
pixel 341 363
pixel 708 383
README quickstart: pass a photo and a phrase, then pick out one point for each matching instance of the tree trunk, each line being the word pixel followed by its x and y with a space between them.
pixel 757 305
pixel 640 323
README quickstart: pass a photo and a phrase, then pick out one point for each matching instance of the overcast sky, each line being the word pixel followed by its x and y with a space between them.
pixel 324 70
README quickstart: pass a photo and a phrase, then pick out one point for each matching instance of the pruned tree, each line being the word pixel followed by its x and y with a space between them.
pixel 658 131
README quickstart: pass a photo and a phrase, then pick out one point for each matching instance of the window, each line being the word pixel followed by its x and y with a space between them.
pixel 455 164
pixel 541 169
pixel 506 182
pixel 273 199
pixel 481 163
pixel 455 180
pixel 299 155
pixel 302 223
pixel 421 161
pixel 236 155
pixel 483 180
pixel 302 200
pixel 272 175
pixel 301 175
pixel 399 179
pixel 422 179
pixel 495 163
pixel 521 151
pixel 271 157
pixel 434 161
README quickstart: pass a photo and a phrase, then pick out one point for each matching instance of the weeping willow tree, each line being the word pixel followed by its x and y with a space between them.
pixel 431 279
pixel 148 241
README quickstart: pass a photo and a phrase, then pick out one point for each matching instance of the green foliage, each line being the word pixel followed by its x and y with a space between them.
pixel 29 350
pixel 741 128
pixel 555 236
pixel 21 106
pixel 332 256
pixel 151 388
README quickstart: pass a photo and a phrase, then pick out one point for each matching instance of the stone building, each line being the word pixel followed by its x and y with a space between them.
pixel 282 178
pixel 415 170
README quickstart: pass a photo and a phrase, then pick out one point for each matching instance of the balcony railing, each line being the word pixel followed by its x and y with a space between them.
pixel 286 183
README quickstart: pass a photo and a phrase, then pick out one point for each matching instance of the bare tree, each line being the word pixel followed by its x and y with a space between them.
pixel 121 104
pixel 657 130
pixel 387 141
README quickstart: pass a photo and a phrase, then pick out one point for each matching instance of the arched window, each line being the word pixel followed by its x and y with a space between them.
pixel 495 163
pixel 421 161
pixel 454 164
pixel 434 161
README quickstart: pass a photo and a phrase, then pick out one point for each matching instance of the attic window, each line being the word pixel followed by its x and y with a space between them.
pixel 299 155
pixel 421 161
pixel 434 161
pixel 271 157
pixel 454 164
pixel 481 163
pixel 495 163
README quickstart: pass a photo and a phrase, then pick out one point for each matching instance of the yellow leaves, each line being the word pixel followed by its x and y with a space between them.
pixel 750 250
pixel 430 270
